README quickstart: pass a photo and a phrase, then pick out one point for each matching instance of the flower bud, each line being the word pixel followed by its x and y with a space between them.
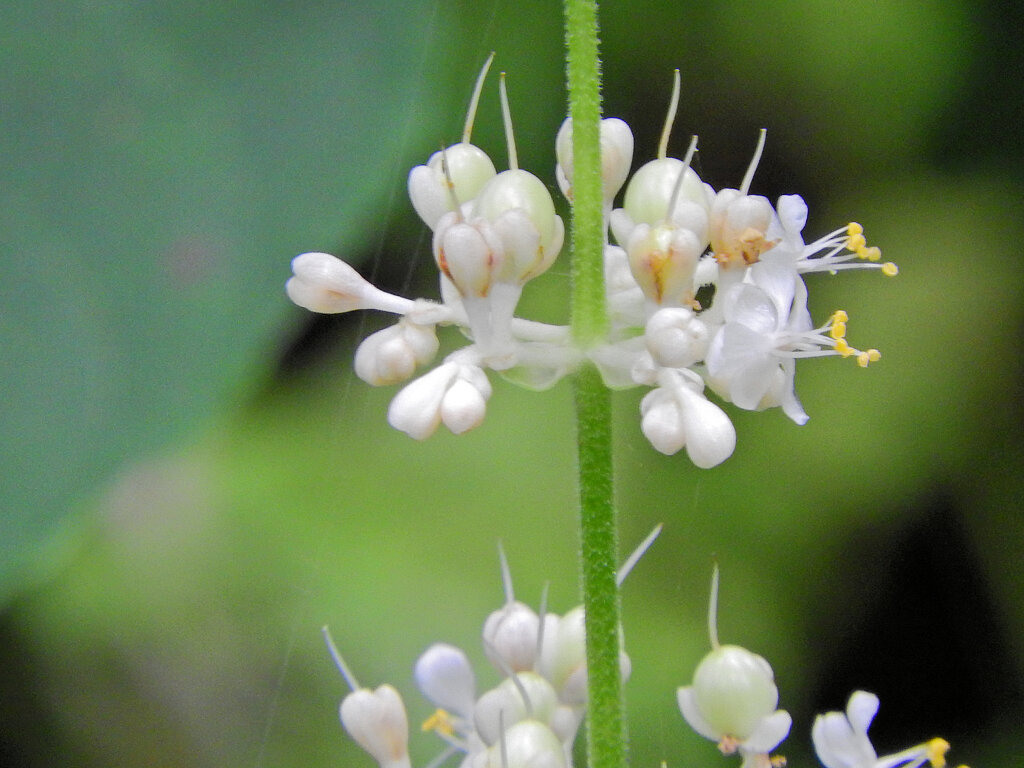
pixel 564 657
pixel 662 421
pixel 510 637
pixel 469 168
pixel 650 191
pixel 392 354
pixel 675 415
pixel 676 337
pixel 710 435
pixel 454 393
pixel 470 255
pixel 519 206
pixel 527 744
pixel 616 156
pixel 663 260
pixel 739 225
pixel 376 720
pixel 464 405
pixel 325 283
pixel 444 675
pixel 504 705
pixel 733 690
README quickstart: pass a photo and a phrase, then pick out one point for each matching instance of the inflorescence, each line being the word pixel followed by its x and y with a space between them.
pixel 531 717
pixel 677 239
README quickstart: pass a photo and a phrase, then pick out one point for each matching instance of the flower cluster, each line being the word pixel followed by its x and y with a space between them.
pixel 704 289
pixel 530 718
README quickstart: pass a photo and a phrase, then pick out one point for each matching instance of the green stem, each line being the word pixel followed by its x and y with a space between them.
pixel 606 738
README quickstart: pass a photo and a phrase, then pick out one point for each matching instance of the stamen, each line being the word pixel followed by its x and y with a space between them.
pixel 634 558
pixel 670 118
pixel 441 722
pixel 506 576
pixel 870 356
pixel 475 100
pixel 889 269
pixel 339 662
pixel 728 745
pixel 713 609
pixel 540 616
pixel 510 140
pixel 936 750
pixel 450 185
pixel 682 175
pixel 745 186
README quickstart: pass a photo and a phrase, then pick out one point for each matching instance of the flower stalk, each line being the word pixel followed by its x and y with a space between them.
pixel 606 742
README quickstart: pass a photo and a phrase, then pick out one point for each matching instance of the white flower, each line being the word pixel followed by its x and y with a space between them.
pixel 376 721
pixel 841 740
pixel 732 701
pixel 676 414
pixel 616 157
pixel 845 248
pixel 325 283
pixel 444 676
pixel 392 354
pixel 466 166
pixel 752 357
pixel 733 698
pixel 453 393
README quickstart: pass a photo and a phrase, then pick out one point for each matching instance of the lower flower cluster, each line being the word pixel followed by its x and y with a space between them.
pixel 531 717
pixel 705 291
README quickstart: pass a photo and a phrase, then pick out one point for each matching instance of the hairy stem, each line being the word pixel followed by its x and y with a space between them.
pixel 606 742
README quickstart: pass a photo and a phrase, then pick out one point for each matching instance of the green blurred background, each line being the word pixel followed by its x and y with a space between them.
pixel 192 484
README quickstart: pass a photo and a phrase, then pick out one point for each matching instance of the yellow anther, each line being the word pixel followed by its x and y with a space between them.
pixel 728 745
pixel 853 228
pixel 936 750
pixel 440 721
pixel 871 356
pixel 874 253
pixel 840 316
pixel 779 761
pixel 890 270
pixel 837 331
pixel 843 348
pixel 856 242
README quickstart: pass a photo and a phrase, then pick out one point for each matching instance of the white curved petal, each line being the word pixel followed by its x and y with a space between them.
pixel 753 307
pixel 770 732
pixel 691 713
pixel 838 746
pixel 861 710
pixel 444 675
pixel 416 409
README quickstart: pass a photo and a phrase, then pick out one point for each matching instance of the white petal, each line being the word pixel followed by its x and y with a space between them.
pixel 376 720
pixel 792 213
pixel 753 307
pixel 691 713
pixel 416 409
pixel 662 422
pixel 710 435
pixel 770 732
pixel 445 676
pixel 838 746
pixel 463 407
pixel 861 710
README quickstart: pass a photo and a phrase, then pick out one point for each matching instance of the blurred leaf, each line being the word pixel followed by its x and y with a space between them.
pixel 161 164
